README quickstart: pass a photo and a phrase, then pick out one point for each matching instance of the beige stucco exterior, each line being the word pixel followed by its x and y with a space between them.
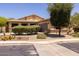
pixel 26 21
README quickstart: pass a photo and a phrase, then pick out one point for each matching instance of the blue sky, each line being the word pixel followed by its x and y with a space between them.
pixel 18 10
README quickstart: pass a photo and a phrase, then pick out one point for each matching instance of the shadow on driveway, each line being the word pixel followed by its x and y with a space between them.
pixel 55 36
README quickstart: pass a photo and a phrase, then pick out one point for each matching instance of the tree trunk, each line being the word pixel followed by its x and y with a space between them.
pixel 59 31
pixel 1 30
pixel 4 33
pixel 68 31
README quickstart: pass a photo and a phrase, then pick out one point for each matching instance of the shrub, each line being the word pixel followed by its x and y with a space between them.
pixel 41 36
pixel 18 29
pixel 76 29
pixel 26 29
pixel 76 34
pixel 8 37
pixel 47 32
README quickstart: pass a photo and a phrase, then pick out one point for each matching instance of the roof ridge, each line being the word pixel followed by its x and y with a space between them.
pixel 31 16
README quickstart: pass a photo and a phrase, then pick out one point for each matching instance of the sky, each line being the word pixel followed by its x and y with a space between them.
pixel 18 10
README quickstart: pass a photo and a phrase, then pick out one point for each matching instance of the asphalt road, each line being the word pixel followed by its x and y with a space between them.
pixel 74 46
pixel 18 50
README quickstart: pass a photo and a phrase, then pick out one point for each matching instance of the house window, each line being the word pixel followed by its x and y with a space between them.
pixel 14 25
pixel 32 24
pixel 24 24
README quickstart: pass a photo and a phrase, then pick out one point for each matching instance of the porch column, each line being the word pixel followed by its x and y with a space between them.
pixel 28 24
pixel 10 27
pixel 48 26
pixel 3 29
pixel 37 24
pixel 19 24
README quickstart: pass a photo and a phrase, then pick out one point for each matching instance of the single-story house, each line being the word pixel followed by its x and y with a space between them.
pixel 27 21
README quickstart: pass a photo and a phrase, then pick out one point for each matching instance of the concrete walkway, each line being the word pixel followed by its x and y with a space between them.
pixel 42 41
pixel 53 50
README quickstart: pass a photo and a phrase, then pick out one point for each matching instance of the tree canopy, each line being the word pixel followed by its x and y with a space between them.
pixel 60 14
pixel 75 20
pixel 3 21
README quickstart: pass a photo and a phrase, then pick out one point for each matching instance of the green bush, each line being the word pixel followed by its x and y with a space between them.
pixel 26 29
pixel 41 36
pixel 18 29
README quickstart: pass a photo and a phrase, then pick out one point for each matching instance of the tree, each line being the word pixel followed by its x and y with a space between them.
pixel 3 22
pixel 75 21
pixel 60 15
